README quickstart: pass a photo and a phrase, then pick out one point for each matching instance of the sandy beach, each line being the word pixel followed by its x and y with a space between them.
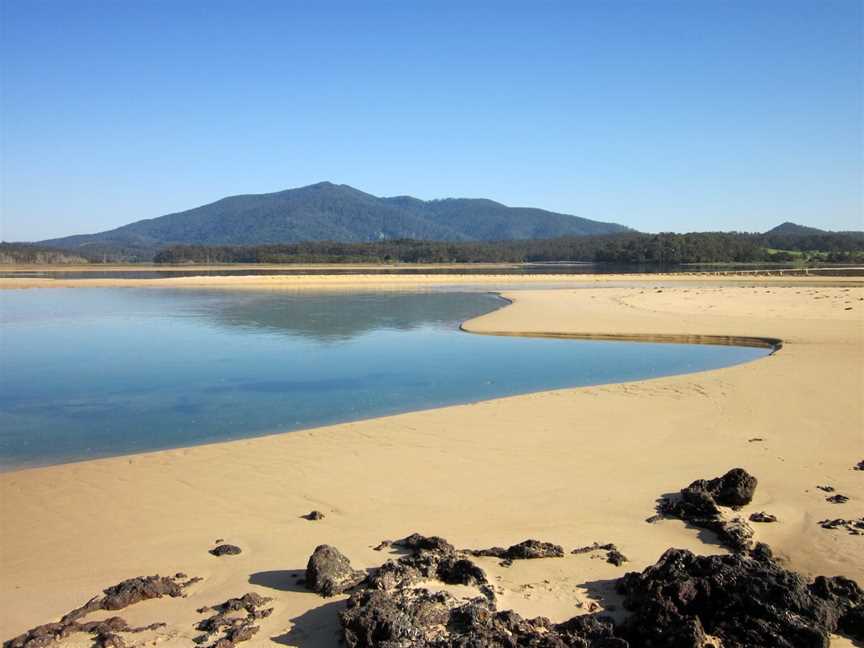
pixel 572 466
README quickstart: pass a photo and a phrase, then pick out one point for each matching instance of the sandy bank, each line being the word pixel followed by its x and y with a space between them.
pixel 571 466
pixel 382 282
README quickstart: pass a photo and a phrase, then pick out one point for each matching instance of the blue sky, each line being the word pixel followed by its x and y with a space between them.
pixel 660 115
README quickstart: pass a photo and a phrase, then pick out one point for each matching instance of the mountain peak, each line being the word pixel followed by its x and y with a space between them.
pixel 325 211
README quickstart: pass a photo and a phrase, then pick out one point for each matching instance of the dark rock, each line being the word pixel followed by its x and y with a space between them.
pixel 755 440
pixel 698 505
pixel 417 542
pixel 859 465
pixel 225 550
pixel 615 557
pixel 827 489
pixel 232 627
pixel 314 515
pixel 854 526
pixel 745 600
pixel 837 499
pixel 525 550
pixel 382 545
pixel 329 573
pixel 117 597
pixel 762 516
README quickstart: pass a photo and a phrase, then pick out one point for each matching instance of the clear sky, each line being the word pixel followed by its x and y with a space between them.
pixel 661 115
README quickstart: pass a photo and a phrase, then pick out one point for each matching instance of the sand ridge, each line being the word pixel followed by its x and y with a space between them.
pixel 571 466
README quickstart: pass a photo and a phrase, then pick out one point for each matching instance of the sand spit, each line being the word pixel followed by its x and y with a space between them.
pixel 570 467
pixel 410 281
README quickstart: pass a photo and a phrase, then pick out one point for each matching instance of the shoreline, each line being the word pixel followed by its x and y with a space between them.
pixel 383 282
pixel 572 466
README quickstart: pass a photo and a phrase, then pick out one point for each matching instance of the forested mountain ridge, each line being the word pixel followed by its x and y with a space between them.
pixel 329 212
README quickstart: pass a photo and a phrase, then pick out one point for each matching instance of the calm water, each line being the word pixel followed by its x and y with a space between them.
pixel 97 372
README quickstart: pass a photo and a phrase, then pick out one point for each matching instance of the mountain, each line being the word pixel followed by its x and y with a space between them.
pixel 330 212
pixel 794 229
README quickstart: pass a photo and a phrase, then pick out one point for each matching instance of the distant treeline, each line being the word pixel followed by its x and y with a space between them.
pixel 26 253
pixel 663 249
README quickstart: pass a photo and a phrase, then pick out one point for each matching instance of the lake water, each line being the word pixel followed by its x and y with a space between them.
pixel 96 372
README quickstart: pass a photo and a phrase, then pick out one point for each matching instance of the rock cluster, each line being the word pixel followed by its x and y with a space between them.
pixel 233 621
pixel 613 556
pixel 698 504
pixel 115 598
pixel 854 526
pixel 391 609
pixel 743 600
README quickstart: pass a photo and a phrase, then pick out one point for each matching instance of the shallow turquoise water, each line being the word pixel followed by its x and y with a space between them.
pixel 95 372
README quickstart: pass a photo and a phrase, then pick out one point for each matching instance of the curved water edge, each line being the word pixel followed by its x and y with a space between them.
pixel 775 344
pixel 123 371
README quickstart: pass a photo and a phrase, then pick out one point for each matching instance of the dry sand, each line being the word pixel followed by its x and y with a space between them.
pixel 571 466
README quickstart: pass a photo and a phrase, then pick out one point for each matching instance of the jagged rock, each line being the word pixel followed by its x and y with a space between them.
pixel 837 499
pixel 698 505
pixel 329 573
pixel 431 557
pixel 314 515
pixel 762 516
pixel 225 550
pixel 525 550
pixel 744 600
pixel 233 628
pixel 418 618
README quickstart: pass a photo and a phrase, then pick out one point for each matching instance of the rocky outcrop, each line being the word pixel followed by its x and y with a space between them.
pixel 115 598
pixel 233 621
pixel 329 573
pixel 418 618
pixel 744 600
pixel 698 504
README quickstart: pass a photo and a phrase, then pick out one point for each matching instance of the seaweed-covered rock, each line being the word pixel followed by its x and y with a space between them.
pixel 329 573
pixel 744 600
